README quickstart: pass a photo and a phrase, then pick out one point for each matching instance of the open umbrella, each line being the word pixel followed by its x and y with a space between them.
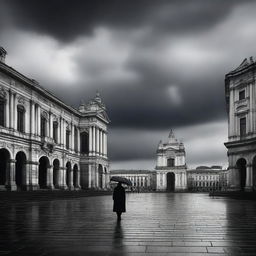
pixel 121 179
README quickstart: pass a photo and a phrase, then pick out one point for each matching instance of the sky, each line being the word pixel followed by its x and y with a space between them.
pixel 158 65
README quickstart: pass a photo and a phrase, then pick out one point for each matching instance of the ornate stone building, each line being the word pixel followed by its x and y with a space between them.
pixel 240 91
pixel 204 178
pixel 45 143
pixel 171 165
pixel 142 180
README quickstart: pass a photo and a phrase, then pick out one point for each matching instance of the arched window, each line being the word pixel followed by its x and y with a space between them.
pixel 67 139
pixel 2 111
pixel 170 162
pixel 20 118
pixel 55 131
pixel 84 143
pixel 43 126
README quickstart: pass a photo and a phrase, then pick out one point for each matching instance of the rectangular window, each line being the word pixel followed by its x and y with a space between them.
pixel 170 162
pixel 43 126
pixel 242 95
pixel 55 132
pixel 242 126
pixel 20 119
pixel 67 138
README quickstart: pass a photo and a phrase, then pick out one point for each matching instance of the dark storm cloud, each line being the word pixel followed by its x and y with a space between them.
pixel 66 20
pixel 158 64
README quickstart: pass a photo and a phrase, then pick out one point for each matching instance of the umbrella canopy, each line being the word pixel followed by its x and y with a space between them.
pixel 121 179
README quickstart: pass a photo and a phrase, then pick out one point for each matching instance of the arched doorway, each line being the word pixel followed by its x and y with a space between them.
pixel 75 176
pixel 4 165
pixel 20 170
pixel 254 173
pixel 68 174
pixel 56 173
pixel 100 169
pixel 170 181
pixel 241 165
pixel 43 166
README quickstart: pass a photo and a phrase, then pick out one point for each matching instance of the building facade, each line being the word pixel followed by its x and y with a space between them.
pixel 45 143
pixel 204 178
pixel 240 92
pixel 142 180
pixel 171 165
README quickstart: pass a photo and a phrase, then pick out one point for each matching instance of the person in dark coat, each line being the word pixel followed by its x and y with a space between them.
pixel 119 200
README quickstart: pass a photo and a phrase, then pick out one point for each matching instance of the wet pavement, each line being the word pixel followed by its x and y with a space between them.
pixel 155 224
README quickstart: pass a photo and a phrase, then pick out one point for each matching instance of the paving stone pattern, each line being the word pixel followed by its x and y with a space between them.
pixel 154 224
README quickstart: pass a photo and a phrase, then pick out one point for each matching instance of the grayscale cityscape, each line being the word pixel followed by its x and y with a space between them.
pixel 127 128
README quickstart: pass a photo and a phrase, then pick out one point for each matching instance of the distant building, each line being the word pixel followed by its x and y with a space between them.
pixel 240 91
pixel 205 178
pixel 171 165
pixel 142 180
pixel 46 144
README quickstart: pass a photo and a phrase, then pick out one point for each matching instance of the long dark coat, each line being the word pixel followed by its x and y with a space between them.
pixel 119 199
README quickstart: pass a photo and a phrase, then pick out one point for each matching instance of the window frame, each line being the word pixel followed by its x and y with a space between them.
pixel 241 94
pixel 21 118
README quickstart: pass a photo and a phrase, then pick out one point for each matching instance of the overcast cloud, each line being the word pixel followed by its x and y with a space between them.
pixel 159 65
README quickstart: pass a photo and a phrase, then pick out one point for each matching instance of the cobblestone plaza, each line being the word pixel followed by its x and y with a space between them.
pixel 154 224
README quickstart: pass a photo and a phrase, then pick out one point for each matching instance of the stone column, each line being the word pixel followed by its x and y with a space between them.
pixel 10 176
pixel 78 140
pixel 90 141
pixel 7 110
pixel 72 139
pixel 102 143
pixel 32 117
pixel 11 109
pixel 251 109
pixel 71 180
pixel 96 176
pixel 38 120
pixel 49 182
pixel 32 169
pixel 97 141
pixel 78 186
pixel 64 133
pixel 99 133
pixel 62 178
pixel 15 111
pixel 106 144
pixel 94 140
pixel 248 183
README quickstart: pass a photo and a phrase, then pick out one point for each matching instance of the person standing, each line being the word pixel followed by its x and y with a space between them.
pixel 119 200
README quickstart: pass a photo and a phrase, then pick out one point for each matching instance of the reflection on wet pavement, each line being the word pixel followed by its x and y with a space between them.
pixel 155 224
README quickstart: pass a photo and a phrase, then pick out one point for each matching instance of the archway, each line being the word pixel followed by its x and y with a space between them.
pixel 56 173
pixel 170 181
pixel 254 173
pixel 20 170
pixel 43 166
pixel 4 165
pixel 241 165
pixel 100 169
pixel 68 174
pixel 75 176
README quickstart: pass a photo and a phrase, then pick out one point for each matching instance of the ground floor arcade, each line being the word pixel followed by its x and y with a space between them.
pixel 242 165
pixel 22 171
